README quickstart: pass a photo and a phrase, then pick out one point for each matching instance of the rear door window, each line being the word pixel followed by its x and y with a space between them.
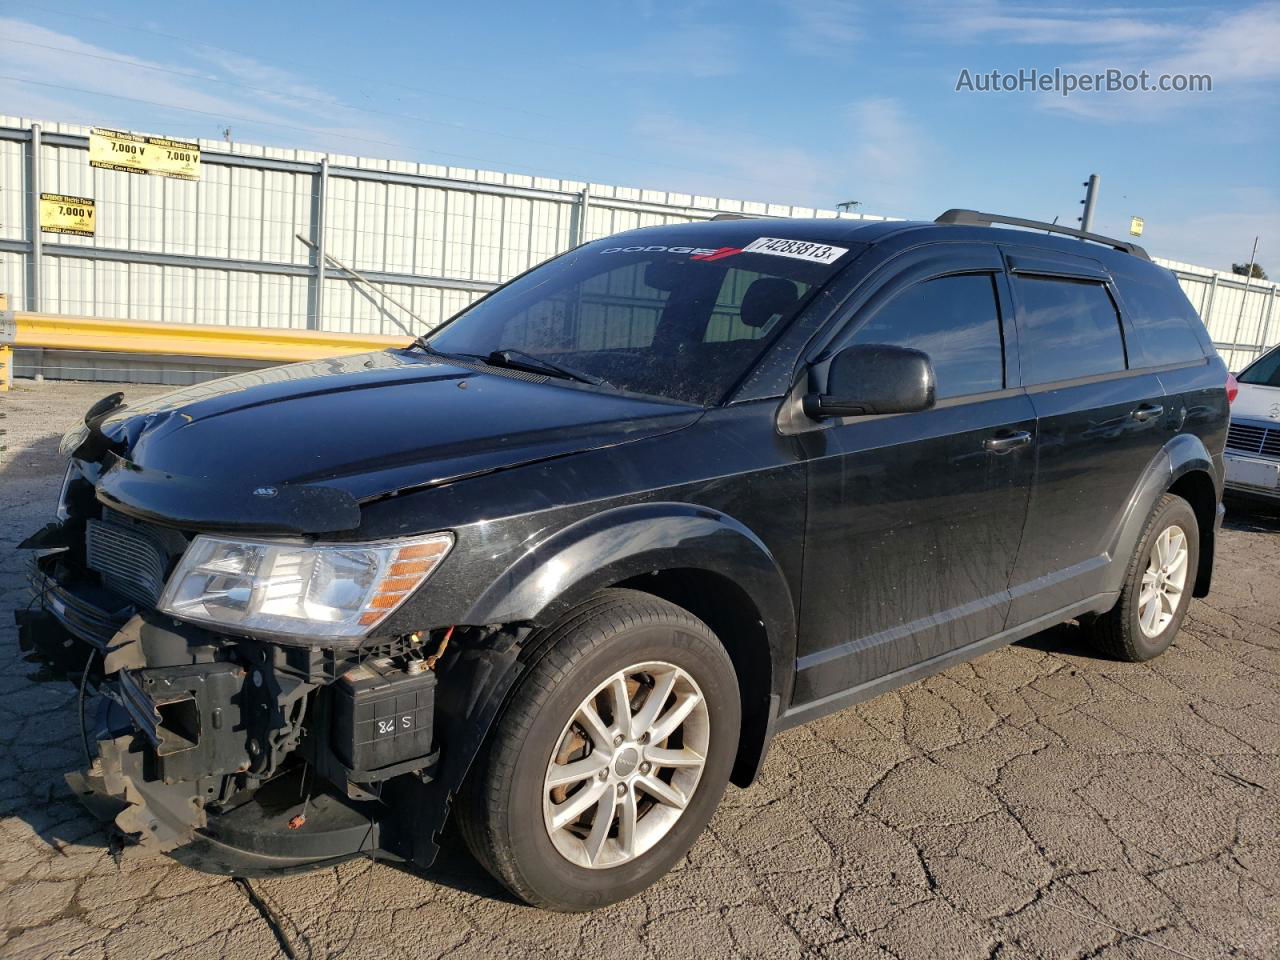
pixel 1067 329
pixel 956 321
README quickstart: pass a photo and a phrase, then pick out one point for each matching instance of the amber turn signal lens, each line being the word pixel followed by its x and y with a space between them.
pixel 409 568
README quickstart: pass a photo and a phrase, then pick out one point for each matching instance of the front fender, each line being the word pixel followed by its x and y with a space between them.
pixel 609 547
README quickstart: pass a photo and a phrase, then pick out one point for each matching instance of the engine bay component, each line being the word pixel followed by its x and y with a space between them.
pixel 382 717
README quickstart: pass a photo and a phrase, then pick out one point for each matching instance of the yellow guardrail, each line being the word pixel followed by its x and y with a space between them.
pixel 6 335
pixel 185 340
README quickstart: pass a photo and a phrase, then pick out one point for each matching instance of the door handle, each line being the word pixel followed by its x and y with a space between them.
pixel 1007 441
pixel 1147 411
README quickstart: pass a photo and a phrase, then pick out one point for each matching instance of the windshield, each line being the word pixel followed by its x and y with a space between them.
pixel 1265 371
pixel 663 319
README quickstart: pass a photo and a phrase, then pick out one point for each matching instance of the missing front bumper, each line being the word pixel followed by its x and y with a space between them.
pixel 151 818
pixel 281 827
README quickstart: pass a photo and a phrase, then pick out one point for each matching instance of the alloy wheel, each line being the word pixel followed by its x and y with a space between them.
pixel 626 765
pixel 1163 582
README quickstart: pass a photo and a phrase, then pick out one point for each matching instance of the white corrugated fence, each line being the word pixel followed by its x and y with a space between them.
pixel 224 249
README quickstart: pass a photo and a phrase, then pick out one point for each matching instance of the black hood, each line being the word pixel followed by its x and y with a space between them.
pixel 364 427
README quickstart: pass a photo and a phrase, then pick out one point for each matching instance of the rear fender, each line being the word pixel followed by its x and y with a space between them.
pixel 1182 455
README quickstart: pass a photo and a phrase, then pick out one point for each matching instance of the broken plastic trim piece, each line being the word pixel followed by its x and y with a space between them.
pixel 151 823
pixel 52 536
pixel 96 443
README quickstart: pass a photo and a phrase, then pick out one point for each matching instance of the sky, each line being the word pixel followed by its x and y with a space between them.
pixel 809 102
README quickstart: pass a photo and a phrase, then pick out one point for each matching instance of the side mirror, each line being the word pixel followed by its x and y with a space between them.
pixel 874 378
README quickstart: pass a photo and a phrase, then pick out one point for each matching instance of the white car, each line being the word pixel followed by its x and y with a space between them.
pixel 1253 439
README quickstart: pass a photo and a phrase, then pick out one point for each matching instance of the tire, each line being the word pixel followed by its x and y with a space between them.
pixel 1128 631
pixel 510 804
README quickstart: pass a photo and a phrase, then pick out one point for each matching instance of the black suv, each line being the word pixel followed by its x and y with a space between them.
pixel 568 563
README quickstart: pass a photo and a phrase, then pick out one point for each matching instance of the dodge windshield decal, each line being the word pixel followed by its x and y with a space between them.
pixel 773 246
pixel 698 252
pixel 717 254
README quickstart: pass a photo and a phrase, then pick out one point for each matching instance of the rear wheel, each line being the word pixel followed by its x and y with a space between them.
pixel 610 759
pixel 1157 589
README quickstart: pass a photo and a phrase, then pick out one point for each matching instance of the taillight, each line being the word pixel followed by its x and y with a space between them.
pixel 1232 388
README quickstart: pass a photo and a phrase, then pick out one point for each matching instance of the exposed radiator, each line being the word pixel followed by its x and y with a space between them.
pixel 131 559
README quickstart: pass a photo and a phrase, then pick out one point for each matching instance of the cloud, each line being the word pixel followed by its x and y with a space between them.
pixel 1241 48
pixel 1235 48
pixel 1048 26
pixel 821 28
pixel 72 81
pixel 1219 237
pixel 875 154
pixel 888 155
pixel 695 51
pixel 773 171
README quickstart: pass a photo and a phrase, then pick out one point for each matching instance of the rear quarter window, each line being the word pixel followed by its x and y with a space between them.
pixel 1162 318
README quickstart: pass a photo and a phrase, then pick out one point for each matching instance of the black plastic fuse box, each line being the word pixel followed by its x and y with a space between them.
pixel 382 716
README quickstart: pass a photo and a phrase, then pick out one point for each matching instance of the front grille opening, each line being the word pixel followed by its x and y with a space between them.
pixel 179 727
pixel 1250 439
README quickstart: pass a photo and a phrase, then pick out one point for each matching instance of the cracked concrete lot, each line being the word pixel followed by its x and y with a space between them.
pixel 1039 802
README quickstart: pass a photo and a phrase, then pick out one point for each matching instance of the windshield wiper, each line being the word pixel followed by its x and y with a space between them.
pixel 513 359
pixel 422 344
pixel 519 360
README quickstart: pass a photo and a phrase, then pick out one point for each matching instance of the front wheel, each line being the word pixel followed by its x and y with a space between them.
pixel 611 757
pixel 1158 584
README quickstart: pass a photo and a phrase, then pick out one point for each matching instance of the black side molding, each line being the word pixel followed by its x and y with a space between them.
pixel 972 218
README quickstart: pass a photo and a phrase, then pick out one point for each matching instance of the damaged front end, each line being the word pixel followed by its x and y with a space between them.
pixel 242 754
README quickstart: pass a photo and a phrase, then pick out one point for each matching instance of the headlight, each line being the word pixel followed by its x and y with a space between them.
pixel 297 589
pixel 62 513
pixel 72 439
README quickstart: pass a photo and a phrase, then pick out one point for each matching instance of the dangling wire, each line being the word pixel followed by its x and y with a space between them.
pixel 84 682
pixel 444 645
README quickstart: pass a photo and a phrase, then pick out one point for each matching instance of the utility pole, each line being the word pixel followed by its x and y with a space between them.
pixel 1090 201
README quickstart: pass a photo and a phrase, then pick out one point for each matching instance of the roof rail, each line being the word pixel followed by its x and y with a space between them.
pixel 975 219
pixel 735 216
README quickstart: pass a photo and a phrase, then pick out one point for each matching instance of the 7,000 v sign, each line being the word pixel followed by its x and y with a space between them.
pixel 131 153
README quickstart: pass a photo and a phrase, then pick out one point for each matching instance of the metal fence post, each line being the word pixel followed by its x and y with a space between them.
pixel 1244 301
pixel 1208 305
pixel 1090 201
pixel 317 237
pixel 1266 322
pixel 33 219
pixel 584 207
